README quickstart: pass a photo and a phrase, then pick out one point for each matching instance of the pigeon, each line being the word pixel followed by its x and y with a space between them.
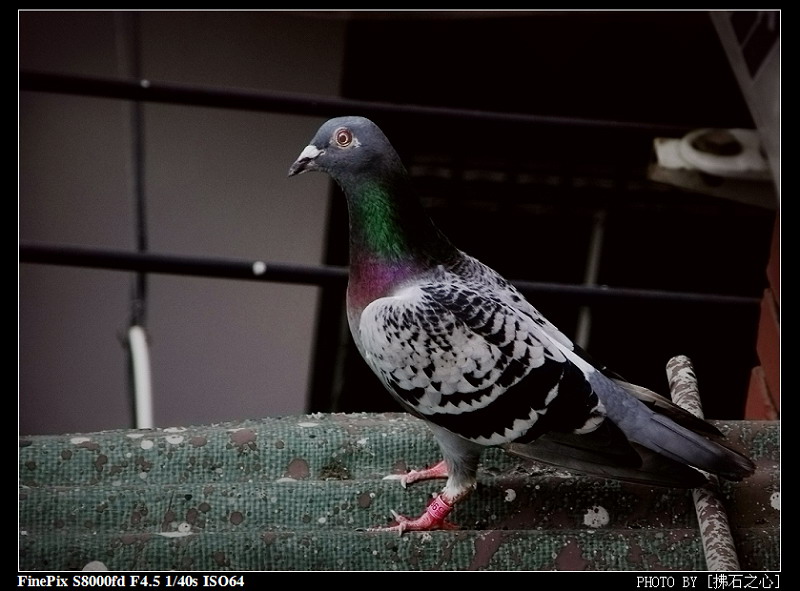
pixel 458 346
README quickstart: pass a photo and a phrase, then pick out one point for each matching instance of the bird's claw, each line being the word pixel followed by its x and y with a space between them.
pixel 436 471
pixel 422 523
pixel 401 477
pixel 433 518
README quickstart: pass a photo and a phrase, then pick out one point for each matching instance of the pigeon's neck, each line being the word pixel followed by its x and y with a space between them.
pixel 392 239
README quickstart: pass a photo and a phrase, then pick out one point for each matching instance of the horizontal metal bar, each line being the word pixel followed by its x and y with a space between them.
pixel 302 104
pixel 180 265
pixel 321 275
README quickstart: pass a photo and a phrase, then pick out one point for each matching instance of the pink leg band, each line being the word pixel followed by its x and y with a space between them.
pixel 438 509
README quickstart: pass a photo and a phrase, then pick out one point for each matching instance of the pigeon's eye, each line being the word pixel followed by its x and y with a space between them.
pixel 343 137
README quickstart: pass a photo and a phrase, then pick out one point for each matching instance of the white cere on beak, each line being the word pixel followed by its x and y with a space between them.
pixel 309 153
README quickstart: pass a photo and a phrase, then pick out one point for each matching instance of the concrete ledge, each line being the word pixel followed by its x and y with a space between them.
pixel 292 493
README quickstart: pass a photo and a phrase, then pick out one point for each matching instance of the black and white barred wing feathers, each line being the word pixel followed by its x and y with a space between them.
pixel 468 360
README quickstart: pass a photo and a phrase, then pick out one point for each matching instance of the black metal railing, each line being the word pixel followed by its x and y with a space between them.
pixel 321 275
pixel 304 104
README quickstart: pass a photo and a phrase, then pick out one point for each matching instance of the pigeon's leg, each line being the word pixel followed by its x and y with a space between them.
pixel 460 466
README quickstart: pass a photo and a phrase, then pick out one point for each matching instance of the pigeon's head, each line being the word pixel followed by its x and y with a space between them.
pixel 346 147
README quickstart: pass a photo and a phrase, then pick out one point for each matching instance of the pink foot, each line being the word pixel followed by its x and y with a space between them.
pixel 437 471
pixel 432 519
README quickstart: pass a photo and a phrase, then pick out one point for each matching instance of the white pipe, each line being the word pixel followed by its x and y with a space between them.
pixel 142 383
pixel 590 276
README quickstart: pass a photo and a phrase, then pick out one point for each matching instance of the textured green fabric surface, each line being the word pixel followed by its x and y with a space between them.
pixel 295 493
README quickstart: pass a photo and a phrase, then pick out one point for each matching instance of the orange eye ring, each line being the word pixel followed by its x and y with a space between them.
pixel 343 137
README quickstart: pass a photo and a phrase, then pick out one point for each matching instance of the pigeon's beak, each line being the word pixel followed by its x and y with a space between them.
pixel 306 160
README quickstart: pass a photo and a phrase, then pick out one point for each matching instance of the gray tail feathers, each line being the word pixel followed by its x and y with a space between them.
pixel 676 442
pixel 648 426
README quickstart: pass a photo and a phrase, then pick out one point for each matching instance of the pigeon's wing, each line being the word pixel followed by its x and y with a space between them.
pixel 477 273
pixel 463 358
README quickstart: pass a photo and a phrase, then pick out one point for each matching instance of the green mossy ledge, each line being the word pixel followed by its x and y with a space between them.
pixel 297 493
